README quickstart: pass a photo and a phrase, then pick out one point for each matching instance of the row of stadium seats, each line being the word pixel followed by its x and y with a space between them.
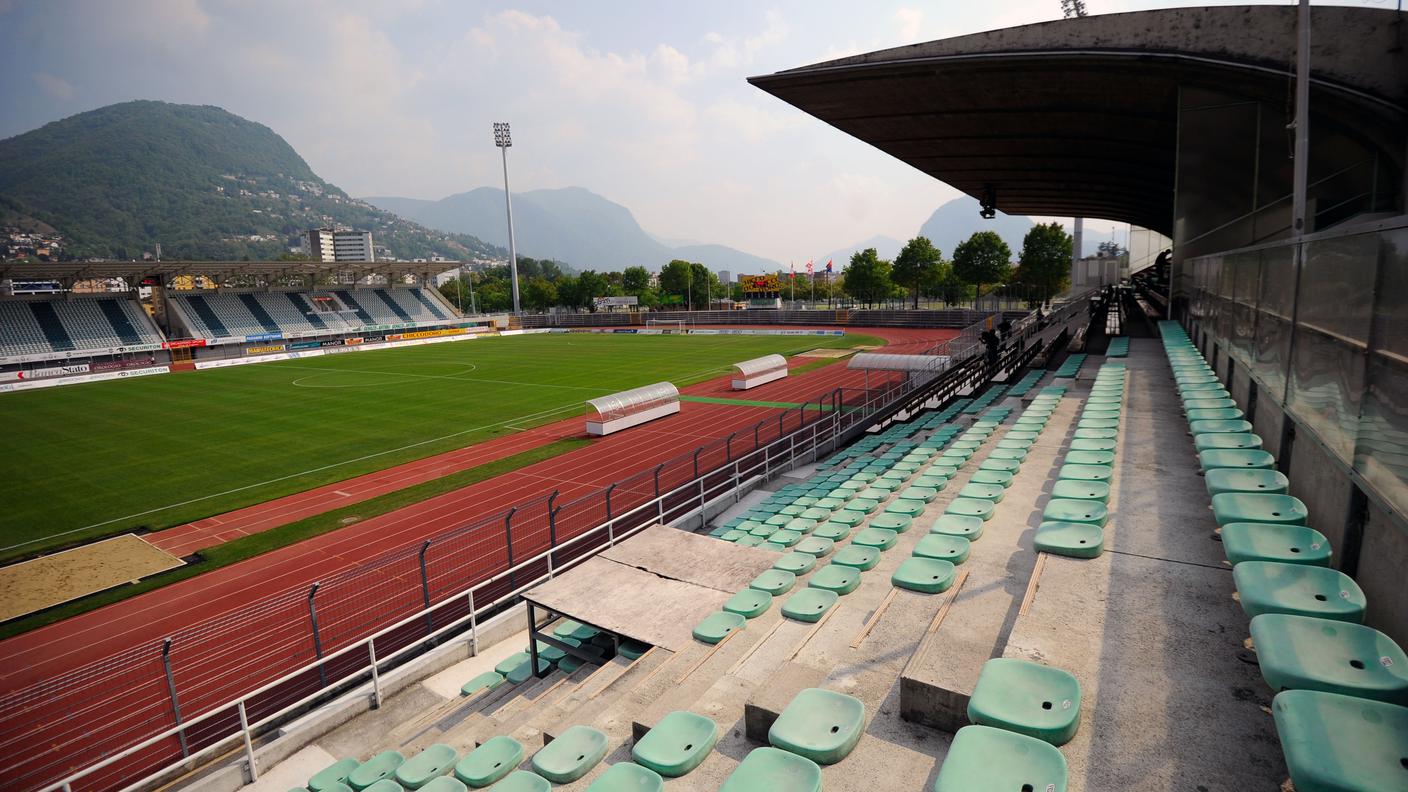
pixel 221 315
pixel 1341 688
pixel 34 327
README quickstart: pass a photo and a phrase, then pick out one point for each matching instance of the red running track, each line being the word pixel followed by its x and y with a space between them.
pixel 142 622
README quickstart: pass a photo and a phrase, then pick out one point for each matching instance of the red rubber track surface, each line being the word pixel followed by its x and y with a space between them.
pixel 218 667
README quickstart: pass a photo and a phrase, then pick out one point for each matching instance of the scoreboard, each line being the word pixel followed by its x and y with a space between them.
pixel 760 284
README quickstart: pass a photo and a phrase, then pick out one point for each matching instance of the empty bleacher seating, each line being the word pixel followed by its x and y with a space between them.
pixel 79 324
pixel 225 315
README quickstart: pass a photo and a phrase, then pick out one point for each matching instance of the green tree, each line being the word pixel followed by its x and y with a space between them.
pixel 982 258
pixel 675 277
pixel 539 294
pixel 868 277
pixel 1046 258
pixel 702 285
pixel 589 286
pixel 916 263
pixel 635 280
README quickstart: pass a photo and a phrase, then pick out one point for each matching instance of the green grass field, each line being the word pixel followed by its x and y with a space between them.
pixel 99 459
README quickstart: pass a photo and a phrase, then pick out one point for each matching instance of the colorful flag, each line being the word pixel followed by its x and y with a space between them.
pixel 809 266
pixel 828 265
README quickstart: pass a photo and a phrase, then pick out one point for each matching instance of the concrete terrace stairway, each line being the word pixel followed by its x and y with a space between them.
pixel 1148 628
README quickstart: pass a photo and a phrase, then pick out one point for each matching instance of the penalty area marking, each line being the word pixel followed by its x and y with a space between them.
pixel 323 372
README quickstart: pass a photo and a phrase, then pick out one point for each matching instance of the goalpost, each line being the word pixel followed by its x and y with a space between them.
pixel 676 324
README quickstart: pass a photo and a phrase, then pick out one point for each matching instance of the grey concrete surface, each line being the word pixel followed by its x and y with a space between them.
pixel 690 558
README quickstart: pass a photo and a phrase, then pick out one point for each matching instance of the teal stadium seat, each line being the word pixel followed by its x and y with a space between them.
pixel 569 757
pixel 1305 653
pixel 1286 544
pixel 820 725
pixel 1335 743
pixel 987 759
pixel 770 769
pixel 1028 698
pixel 1298 589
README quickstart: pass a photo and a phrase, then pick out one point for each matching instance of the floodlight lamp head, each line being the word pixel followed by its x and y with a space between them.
pixel 988 203
pixel 502 139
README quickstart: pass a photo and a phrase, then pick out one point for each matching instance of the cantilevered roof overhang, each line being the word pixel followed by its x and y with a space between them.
pixel 1079 117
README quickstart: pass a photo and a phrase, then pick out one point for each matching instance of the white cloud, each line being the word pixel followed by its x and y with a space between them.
pixel 57 87
pixel 911 21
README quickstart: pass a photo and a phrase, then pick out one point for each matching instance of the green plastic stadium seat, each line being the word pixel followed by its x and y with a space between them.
pixel 848 517
pixel 764 531
pixel 836 577
pixel 1230 507
pixel 749 541
pixel 774 581
pixel 858 556
pixel 1223 414
pixel 732 535
pixel 815 514
pixel 385 785
pixel 717 625
pixel 985 759
pixel 569 664
pixel 815 546
pixel 1000 465
pixel 899 523
pixel 1106 458
pixel 785 538
pixel 433 762
pixel 953 549
pixel 627 777
pixel 1020 435
pixel 990 492
pixel 444 784
pixel 971 507
pixel 793 510
pixel 520 672
pixel 677 744
pixel 1097 423
pixel 771 546
pixel 834 500
pixel 923 574
pixel 383 765
pixel 335 773
pixel 1286 544
pixel 1219 427
pixel 749 603
pixel 1075 489
pixel 904 507
pixel 880 538
pixel 821 725
pixel 809 604
pixel 1095 434
pixel 1210 404
pixel 1223 480
pixel 629 649
pixel 930 481
pixel 998 477
pixel 1298 589
pixel 1014 454
pixel 865 505
pixel 961 525
pixel 488 680
pixel 1085 472
pixel 1233 440
pixel 925 494
pixel 575 751
pixel 1091 512
pixel 1236 458
pixel 944 471
pixel 771 770
pixel 795 562
pixel 1027 698
pixel 800 525
pixel 777 520
pixel 877 491
pixel 1304 653
pixel 1335 743
pixel 1071 539
pixel 832 530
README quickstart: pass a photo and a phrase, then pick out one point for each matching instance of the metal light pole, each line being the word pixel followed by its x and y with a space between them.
pixel 504 141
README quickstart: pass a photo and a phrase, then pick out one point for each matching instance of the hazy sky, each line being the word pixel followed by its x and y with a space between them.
pixel 642 101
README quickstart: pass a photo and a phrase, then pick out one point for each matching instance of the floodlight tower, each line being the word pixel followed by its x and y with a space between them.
pixel 503 140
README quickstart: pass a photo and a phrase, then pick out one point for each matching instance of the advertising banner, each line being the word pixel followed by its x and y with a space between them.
pixel 118 365
pixel 264 350
pixel 305 345
pixel 614 302
pixel 333 342
pixel 184 343
pixel 351 341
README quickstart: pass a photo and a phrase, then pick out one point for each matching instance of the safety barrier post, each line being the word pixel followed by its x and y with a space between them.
pixel 508 543
pixel 552 531
pixel 659 502
pixel 425 590
pixel 610 523
pixel 248 745
pixel 317 638
pixel 171 689
pixel 376 678
pixel 728 448
pixel 473 627
pixel 696 460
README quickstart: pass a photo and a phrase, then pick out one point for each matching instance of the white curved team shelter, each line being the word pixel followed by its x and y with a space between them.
pixel 878 361
pixel 755 372
pixel 632 407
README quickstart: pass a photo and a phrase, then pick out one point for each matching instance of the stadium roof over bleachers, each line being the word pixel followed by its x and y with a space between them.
pixel 1079 117
pixel 84 270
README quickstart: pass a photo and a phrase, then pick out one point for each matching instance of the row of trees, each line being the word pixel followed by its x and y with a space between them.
pixel 981 260
pixel 920 270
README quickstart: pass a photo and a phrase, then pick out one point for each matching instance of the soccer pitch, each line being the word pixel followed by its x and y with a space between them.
pixel 98 459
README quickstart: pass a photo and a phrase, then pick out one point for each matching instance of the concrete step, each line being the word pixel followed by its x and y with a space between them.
pixel 939 677
pixel 589 710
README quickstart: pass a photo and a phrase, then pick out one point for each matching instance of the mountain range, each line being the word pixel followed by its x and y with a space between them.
pixel 202 182
pixel 571 224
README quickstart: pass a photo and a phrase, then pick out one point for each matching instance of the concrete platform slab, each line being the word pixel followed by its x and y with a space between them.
pixel 691 558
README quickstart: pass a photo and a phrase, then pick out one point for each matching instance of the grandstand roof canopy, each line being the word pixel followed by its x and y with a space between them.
pixel 84 270
pixel 1079 117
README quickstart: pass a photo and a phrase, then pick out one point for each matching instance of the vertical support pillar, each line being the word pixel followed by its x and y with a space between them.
pixel 376 677
pixel 425 589
pixel 696 461
pixel 248 744
pixel 552 532
pixel 317 637
pixel 728 448
pixel 508 543
pixel 659 502
pixel 533 640
pixel 171 690
pixel 473 627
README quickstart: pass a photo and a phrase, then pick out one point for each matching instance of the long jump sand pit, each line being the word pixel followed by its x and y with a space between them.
pixel 826 353
pixel 54 579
